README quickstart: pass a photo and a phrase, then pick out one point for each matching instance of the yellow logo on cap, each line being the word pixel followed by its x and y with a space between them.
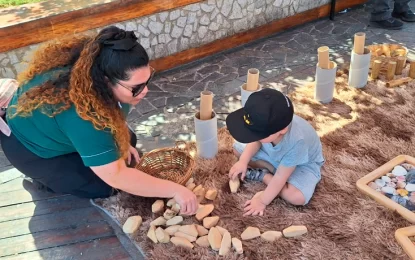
pixel 247 120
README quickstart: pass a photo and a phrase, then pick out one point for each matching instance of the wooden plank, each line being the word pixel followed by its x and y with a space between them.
pixel 14 37
pixel 43 207
pixel 30 193
pixel 238 39
pixel 54 238
pixel 59 220
pixel 102 249
pixel 9 174
pixel 13 185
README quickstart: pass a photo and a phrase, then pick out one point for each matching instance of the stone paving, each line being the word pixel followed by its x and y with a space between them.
pixel 286 61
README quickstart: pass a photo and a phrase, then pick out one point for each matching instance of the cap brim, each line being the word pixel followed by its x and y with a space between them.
pixel 236 126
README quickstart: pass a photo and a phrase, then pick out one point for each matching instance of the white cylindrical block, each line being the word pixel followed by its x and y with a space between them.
pixel 246 93
pixel 206 136
pixel 359 69
pixel 325 83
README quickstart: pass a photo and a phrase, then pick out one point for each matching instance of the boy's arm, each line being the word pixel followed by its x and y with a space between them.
pixel 277 183
pixel 250 150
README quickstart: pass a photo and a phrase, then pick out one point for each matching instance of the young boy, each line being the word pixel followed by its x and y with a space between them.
pixel 282 149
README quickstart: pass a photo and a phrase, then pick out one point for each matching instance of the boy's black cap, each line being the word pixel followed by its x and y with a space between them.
pixel 266 112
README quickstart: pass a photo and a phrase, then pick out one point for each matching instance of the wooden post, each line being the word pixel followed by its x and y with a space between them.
pixel 391 70
pixel 375 69
pixel 397 82
pixel 412 70
pixel 253 79
pixel 400 64
pixel 323 57
pixel 359 43
pixel 206 100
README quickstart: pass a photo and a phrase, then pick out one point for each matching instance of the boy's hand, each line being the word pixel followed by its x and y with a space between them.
pixel 254 207
pixel 238 168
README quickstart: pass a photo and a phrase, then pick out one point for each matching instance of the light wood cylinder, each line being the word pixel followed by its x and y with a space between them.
pixel 375 69
pixel 206 101
pixel 359 43
pixel 412 70
pixel 323 57
pixel 252 80
pixel 391 70
pixel 400 64
pixel 397 82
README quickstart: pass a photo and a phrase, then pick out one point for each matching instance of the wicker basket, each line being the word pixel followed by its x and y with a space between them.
pixel 386 52
pixel 174 163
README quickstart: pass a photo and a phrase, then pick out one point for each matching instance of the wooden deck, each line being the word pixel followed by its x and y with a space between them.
pixel 37 224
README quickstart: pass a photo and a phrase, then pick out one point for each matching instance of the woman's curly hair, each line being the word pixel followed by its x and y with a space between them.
pixel 93 67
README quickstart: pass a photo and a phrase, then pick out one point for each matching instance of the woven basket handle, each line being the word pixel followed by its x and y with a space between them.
pixel 186 146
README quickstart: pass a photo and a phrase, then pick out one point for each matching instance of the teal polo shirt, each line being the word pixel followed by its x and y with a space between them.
pixel 65 133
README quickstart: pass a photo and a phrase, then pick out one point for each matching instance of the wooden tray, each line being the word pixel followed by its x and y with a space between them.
pixel 402 236
pixel 379 197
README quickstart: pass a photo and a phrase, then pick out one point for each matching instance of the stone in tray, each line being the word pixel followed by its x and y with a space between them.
pixel 398 185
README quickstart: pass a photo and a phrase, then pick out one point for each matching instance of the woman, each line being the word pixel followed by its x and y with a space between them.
pixel 67 119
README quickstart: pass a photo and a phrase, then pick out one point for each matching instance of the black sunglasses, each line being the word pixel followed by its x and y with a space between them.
pixel 137 89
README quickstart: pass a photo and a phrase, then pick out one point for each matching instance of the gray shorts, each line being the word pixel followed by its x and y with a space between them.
pixel 305 177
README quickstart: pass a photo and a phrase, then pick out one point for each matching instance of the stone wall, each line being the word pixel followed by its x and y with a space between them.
pixel 169 32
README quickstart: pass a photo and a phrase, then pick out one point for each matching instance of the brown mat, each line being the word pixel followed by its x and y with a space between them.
pixel 360 130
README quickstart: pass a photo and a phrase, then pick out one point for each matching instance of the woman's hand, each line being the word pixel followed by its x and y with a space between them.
pixel 238 168
pixel 254 207
pixel 132 152
pixel 187 201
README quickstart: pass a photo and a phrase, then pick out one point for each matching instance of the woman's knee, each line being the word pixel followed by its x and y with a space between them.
pixel 292 195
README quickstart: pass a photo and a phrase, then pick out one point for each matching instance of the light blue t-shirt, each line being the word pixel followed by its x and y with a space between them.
pixel 300 146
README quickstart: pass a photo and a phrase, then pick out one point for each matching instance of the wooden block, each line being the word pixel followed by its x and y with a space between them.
pixel 189 229
pixel 203 241
pixel 171 202
pixel 400 64
pixel 160 221
pixel 152 234
pixel 169 214
pixel 204 211
pixel 234 185
pixel 176 208
pixel 211 194
pixel 162 236
pixel 184 235
pixel 391 70
pixel 182 242
pixel 386 49
pixel 271 236
pixel 201 230
pixel 412 70
pixel 210 222
pixel 215 238
pixel 252 79
pixel 206 103
pixel 375 69
pixel 172 229
pixel 199 191
pixel 132 224
pixel 191 186
pixel 294 231
pixel 221 230
pixel 237 245
pixel 191 180
pixel 225 245
pixel 157 206
pixel 359 43
pixel 403 235
pixel 174 221
pixel 397 82
pixel 250 233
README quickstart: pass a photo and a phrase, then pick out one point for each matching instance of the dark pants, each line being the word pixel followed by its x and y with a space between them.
pixel 62 174
pixel 382 9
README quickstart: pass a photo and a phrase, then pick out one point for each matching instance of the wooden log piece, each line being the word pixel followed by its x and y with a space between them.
pixel 252 80
pixel 412 70
pixel 375 69
pixel 400 64
pixel 359 43
pixel 206 101
pixel 397 82
pixel 391 70
pixel 323 57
